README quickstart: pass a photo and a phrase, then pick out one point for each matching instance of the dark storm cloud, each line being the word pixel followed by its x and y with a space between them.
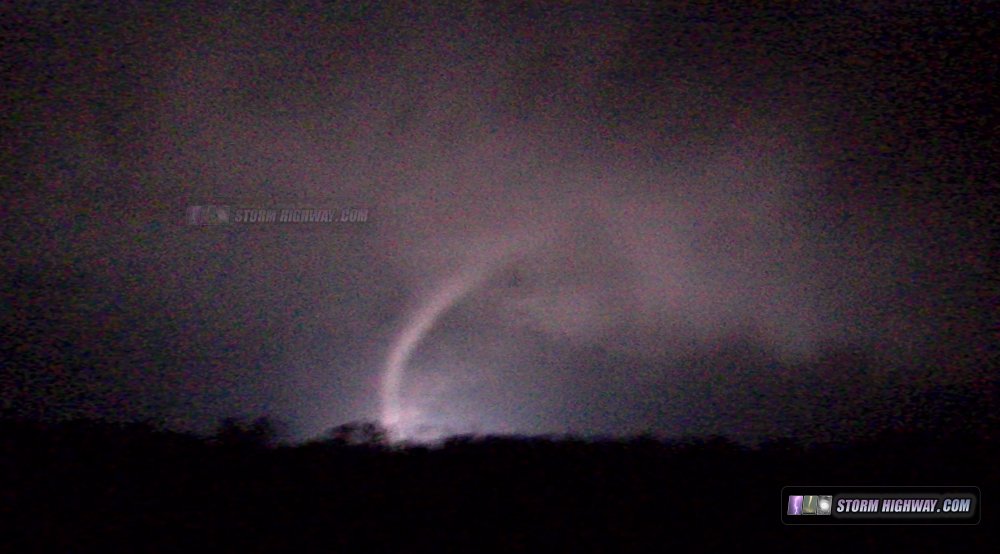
pixel 633 191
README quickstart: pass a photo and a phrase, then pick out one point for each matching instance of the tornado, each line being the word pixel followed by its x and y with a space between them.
pixel 395 416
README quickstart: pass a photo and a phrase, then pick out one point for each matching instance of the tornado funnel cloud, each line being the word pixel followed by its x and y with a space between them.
pixel 394 415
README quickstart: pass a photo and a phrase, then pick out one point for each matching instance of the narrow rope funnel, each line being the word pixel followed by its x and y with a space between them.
pixel 421 322
pixel 395 416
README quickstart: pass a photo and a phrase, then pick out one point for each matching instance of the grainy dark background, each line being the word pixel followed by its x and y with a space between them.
pixel 757 222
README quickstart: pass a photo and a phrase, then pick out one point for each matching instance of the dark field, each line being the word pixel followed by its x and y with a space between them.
pixel 85 486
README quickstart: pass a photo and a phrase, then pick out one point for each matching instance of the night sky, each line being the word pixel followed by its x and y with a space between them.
pixel 680 220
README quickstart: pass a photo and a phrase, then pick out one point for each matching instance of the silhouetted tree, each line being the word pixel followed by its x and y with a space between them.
pixel 261 432
pixel 359 433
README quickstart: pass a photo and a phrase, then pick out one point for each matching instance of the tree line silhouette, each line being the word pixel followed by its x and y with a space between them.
pixel 86 485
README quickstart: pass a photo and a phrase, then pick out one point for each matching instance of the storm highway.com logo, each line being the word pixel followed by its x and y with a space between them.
pixel 882 505
pixel 809 505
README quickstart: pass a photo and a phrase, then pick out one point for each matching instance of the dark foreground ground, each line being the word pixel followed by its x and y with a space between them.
pixel 88 486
